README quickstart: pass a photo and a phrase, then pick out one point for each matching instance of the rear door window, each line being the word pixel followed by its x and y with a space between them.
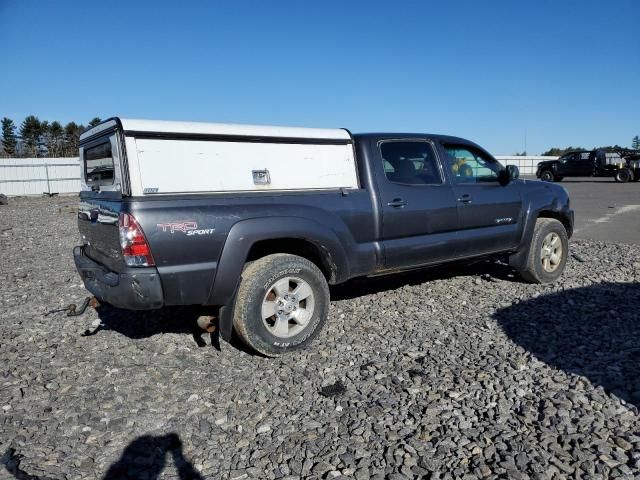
pixel 410 162
pixel 98 164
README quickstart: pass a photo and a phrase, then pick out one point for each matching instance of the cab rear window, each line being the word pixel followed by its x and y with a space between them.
pixel 98 164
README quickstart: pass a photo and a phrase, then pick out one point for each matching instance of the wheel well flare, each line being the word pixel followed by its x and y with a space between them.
pixel 317 254
pixel 558 216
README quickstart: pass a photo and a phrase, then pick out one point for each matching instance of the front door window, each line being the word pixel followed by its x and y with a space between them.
pixel 470 166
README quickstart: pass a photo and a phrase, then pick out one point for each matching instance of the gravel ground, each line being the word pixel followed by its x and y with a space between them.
pixel 465 373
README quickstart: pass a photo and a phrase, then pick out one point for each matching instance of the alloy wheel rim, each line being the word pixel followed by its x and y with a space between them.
pixel 551 252
pixel 287 307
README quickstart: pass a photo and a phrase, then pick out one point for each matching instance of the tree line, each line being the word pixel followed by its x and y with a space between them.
pixel 41 138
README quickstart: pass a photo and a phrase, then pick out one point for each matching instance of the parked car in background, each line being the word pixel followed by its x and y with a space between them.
pixel 256 222
pixel 572 164
pixel 621 165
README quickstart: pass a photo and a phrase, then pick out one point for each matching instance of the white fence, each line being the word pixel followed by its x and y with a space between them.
pixel 527 165
pixel 35 176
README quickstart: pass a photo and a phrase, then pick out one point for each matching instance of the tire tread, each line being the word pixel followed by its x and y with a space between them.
pixel 247 284
pixel 530 272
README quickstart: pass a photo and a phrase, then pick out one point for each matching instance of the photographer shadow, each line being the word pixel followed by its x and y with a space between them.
pixel 146 458
pixel 591 331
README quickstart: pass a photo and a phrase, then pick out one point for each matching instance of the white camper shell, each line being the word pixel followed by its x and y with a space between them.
pixel 150 157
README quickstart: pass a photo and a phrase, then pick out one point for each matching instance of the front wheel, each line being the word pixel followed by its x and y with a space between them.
pixel 282 304
pixel 548 252
pixel 546 176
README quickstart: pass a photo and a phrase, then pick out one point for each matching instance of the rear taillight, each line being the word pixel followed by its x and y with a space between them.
pixel 135 248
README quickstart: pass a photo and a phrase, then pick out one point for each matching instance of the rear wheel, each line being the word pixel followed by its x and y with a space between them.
pixel 624 175
pixel 546 176
pixel 281 305
pixel 548 252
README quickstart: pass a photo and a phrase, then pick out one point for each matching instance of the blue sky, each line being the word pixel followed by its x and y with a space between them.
pixel 564 72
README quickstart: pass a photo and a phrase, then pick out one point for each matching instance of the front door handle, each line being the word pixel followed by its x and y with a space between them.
pixel 397 203
pixel 466 199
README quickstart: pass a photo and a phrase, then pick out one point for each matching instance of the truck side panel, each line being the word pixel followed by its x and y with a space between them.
pixel 188 234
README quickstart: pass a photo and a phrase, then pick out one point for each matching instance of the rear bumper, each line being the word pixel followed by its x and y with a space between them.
pixel 133 291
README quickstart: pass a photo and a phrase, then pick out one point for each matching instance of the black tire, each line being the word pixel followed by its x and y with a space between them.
pixel 623 175
pixel 535 271
pixel 547 176
pixel 258 283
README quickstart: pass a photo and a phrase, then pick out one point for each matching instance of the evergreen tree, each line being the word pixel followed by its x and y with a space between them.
pixel 71 139
pixel 54 139
pixel 9 137
pixel 94 121
pixel 44 140
pixel 557 152
pixel 610 148
pixel 30 131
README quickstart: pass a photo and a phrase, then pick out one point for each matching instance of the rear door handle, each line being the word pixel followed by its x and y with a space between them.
pixel 466 198
pixel 397 203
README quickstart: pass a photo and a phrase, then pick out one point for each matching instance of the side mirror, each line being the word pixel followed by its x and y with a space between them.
pixel 508 174
pixel 513 171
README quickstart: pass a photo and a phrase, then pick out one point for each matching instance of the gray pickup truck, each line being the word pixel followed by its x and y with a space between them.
pixel 256 222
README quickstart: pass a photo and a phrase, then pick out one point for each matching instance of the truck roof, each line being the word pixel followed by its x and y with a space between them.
pixel 404 135
pixel 160 127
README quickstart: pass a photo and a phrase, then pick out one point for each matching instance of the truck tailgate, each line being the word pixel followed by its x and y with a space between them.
pixel 98 225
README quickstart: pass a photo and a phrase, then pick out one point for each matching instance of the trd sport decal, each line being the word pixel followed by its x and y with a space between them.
pixel 189 228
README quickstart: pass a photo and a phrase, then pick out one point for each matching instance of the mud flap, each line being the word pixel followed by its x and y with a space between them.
pixel 225 320
pixel 518 260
